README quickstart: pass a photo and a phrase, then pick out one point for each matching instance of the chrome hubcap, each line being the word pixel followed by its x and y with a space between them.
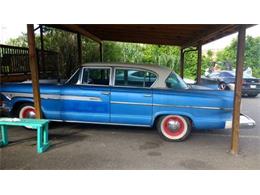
pixel 173 125
pixel 30 114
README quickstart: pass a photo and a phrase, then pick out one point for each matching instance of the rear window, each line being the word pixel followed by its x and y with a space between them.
pixel 134 78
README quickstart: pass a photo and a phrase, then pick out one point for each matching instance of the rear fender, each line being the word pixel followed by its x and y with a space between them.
pixel 158 114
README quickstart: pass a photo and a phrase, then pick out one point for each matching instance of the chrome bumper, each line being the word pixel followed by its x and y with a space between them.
pixel 245 122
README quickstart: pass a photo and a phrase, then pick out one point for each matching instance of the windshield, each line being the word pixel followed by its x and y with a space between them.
pixel 174 81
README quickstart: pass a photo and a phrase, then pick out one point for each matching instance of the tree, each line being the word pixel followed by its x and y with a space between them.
pixel 252 54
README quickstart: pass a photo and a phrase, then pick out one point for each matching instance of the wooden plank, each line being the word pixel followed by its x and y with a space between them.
pixel 34 70
pixel 79 48
pixel 82 31
pixel 238 88
pixel 199 64
pixel 182 63
pixel 208 34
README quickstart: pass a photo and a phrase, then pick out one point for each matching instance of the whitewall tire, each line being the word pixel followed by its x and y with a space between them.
pixel 174 127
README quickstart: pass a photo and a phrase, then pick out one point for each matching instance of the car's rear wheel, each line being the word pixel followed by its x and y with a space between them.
pixel 174 127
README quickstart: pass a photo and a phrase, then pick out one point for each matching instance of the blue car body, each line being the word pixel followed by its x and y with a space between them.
pixel 138 106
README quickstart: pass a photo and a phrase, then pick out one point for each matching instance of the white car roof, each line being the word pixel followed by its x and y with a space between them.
pixel 161 71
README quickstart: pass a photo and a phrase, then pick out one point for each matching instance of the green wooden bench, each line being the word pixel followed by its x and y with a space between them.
pixel 40 125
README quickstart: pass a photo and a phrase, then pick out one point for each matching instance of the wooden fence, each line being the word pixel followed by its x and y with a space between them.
pixel 14 61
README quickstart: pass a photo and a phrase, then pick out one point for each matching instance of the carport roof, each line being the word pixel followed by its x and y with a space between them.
pixel 183 35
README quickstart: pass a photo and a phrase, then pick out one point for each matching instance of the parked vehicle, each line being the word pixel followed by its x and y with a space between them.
pixel 127 94
pixel 225 80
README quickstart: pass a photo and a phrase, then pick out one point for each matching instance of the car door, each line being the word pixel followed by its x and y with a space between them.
pixel 131 97
pixel 87 99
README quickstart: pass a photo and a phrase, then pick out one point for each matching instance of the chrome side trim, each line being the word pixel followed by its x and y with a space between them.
pixel 193 107
pixel 171 105
pixel 81 98
pixel 55 97
pixel 98 99
pixel 131 103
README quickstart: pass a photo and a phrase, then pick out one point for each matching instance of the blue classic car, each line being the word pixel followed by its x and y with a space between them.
pixel 127 94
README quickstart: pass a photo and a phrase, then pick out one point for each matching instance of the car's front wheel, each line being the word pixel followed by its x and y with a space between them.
pixel 174 127
pixel 26 111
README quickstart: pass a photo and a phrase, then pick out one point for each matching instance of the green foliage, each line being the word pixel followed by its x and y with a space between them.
pixel 20 41
pixel 65 44
pixel 252 54
pixel 141 53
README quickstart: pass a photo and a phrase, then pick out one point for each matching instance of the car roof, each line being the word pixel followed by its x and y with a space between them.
pixel 162 71
pixel 152 67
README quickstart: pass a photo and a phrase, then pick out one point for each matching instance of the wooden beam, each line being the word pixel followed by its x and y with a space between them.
pixel 101 52
pixel 34 70
pixel 79 49
pixel 42 49
pixel 208 34
pixel 199 64
pixel 238 88
pixel 182 63
pixel 82 31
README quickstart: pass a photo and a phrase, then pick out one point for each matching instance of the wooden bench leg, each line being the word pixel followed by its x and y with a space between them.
pixel 4 135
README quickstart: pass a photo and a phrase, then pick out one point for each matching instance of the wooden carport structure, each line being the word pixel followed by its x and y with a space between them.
pixel 182 35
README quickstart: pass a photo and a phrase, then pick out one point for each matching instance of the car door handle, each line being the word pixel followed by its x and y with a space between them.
pixel 147 95
pixel 105 93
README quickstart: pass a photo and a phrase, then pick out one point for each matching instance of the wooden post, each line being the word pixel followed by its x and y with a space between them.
pixel 34 70
pixel 101 51
pixel 199 64
pixel 238 87
pixel 42 50
pixel 79 49
pixel 182 63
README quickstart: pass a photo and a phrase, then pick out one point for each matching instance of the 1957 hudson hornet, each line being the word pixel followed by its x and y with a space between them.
pixel 127 94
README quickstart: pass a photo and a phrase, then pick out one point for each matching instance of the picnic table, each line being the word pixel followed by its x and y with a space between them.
pixel 41 125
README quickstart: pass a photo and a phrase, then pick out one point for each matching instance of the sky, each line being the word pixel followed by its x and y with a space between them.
pixel 12 31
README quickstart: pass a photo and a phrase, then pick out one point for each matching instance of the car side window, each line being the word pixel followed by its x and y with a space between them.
pixel 134 78
pixel 74 79
pixel 175 82
pixel 96 76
